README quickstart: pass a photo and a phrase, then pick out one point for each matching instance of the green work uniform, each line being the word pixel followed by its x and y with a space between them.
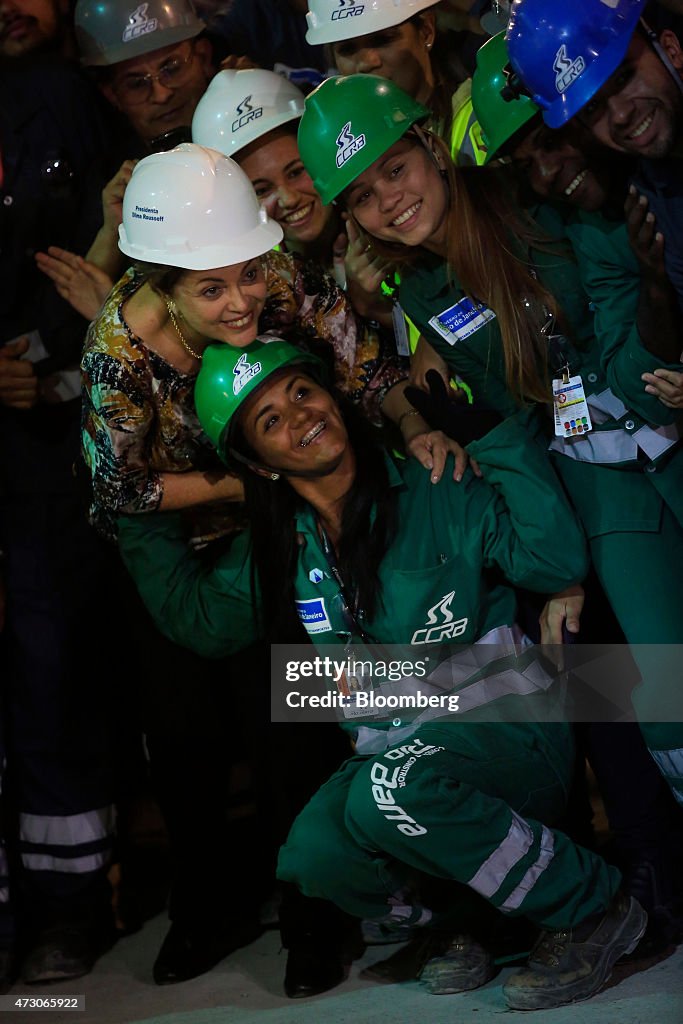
pixel 625 477
pixel 474 797
pixel 654 560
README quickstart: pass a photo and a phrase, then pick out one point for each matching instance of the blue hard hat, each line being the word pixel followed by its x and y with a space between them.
pixel 564 53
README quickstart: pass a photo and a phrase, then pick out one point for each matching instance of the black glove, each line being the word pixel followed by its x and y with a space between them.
pixel 444 410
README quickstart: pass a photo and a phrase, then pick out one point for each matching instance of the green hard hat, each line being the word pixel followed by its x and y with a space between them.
pixel 228 375
pixel 498 117
pixel 347 124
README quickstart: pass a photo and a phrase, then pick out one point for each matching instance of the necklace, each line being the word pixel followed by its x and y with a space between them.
pixel 183 342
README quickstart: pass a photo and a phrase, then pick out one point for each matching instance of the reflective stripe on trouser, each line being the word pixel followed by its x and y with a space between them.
pixel 73 844
pixel 455 802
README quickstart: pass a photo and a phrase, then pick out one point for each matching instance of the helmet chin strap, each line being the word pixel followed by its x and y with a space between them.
pixel 424 137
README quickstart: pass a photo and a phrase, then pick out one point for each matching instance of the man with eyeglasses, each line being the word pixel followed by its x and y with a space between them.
pixel 151 62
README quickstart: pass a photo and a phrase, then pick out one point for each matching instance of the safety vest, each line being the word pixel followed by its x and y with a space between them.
pixel 466 142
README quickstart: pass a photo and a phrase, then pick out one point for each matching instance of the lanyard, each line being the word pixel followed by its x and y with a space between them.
pixel 350 610
pixel 560 349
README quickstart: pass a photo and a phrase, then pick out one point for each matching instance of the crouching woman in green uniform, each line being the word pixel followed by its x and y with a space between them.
pixel 399 553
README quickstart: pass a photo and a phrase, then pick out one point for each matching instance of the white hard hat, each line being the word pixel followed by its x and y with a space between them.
pixel 240 106
pixel 330 21
pixel 193 208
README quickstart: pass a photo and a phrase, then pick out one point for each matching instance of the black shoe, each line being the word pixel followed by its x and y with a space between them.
pixel 187 952
pixel 65 951
pixel 8 973
pixel 308 972
pixel 574 963
pixel 655 890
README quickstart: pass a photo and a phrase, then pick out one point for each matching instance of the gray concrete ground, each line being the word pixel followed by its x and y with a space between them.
pixel 246 988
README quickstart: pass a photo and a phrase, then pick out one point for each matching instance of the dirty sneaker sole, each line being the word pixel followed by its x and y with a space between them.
pixel 554 993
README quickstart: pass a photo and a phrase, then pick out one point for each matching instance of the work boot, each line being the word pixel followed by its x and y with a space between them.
pixel 574 963
pixel 65 951
pixel 463 965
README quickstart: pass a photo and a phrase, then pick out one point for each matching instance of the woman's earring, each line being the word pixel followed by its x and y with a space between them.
pixel 274 476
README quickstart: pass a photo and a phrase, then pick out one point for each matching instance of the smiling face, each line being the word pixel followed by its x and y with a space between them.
pixel 293 425
pixel 401 197
pixel 167 102
pixel 221 305
pixel 399 53
pixel 639 110
pixel 29 25
pixel 284 187
pixel 559 165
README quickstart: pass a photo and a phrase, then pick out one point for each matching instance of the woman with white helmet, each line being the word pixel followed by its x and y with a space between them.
pixel 253 115
pixel 140 438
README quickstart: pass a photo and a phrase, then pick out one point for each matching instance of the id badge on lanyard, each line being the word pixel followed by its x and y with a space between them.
pixel 570 409
pixel 572 417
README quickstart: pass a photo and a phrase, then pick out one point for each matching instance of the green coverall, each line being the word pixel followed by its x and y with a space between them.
pixel 625 477
pixel 453 799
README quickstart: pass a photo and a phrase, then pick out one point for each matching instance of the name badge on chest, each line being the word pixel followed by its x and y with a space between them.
pixel 313 615
pixel 461 320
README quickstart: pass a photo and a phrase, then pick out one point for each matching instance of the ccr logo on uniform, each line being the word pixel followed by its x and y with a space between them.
pixel 435 632
pixel 313 615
